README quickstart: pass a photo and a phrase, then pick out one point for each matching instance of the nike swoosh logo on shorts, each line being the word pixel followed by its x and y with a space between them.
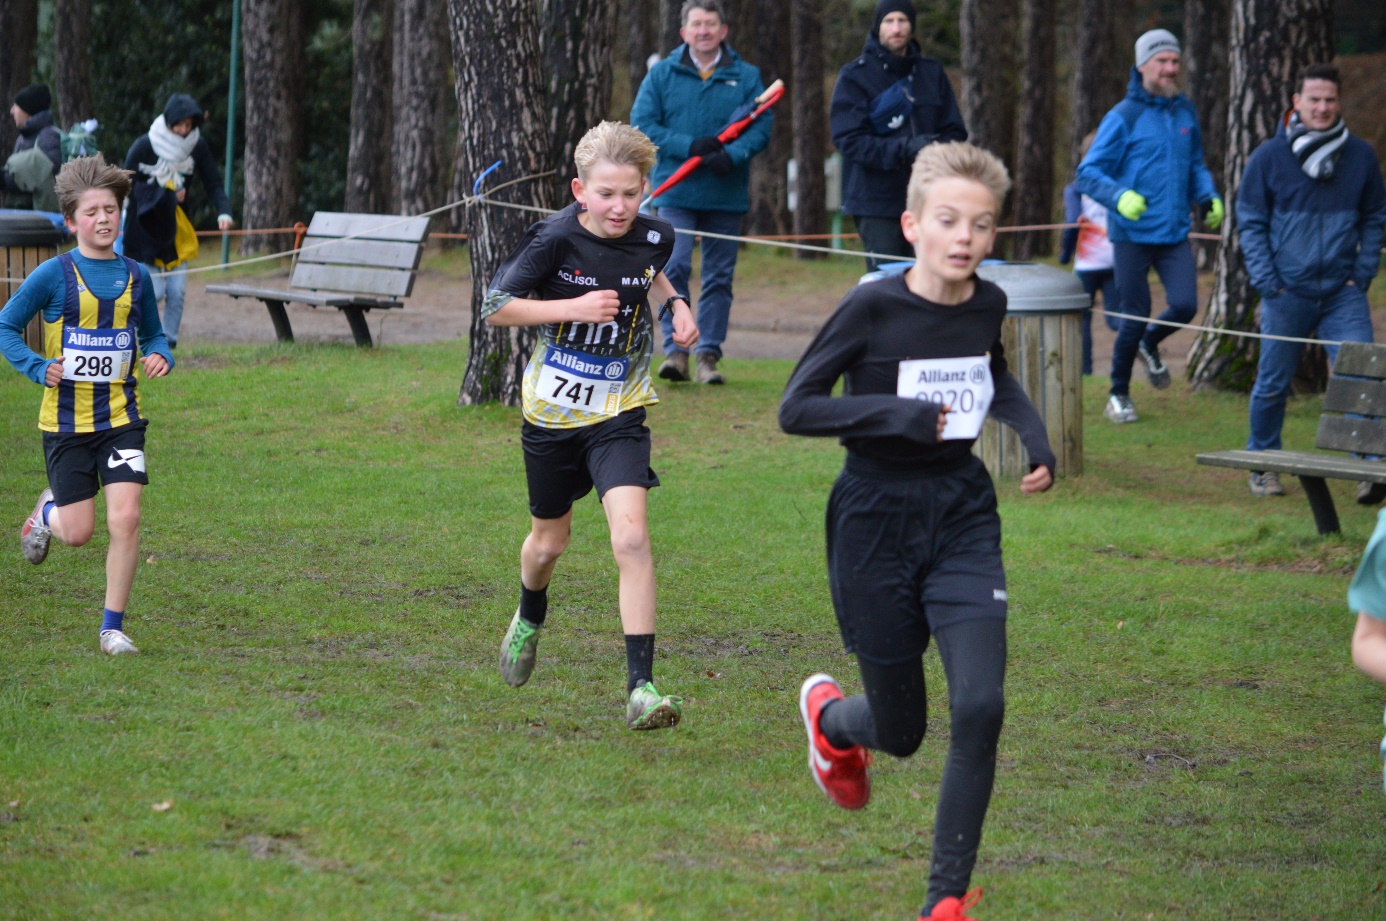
pixel 120 456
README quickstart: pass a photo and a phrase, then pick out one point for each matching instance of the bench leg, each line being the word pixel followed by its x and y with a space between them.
pixel 360 329
pixel 1321 503
pixel 282 330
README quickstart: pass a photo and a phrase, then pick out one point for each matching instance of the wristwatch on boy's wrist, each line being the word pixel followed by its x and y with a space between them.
pixel 669 304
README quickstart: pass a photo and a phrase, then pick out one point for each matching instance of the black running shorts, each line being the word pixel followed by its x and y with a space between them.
pixel 562 465
pixel 909 555
pixel 80 463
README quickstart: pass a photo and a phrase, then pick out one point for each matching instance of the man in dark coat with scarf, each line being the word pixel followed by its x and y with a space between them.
pixel 24 179
pixel 887 106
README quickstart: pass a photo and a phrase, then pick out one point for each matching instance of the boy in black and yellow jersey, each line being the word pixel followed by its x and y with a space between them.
pixel 586 276
pixel 101 333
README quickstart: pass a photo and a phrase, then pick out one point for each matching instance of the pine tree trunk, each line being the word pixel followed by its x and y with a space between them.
pixel 18 34
pixel 503 113
pixel 420 94
pixel 669 23
pixel 1099 72
pixel 1271 41
pixel 578 38
pixel 71 75
pixel 640 41
pixel 1034 177
pixel 988 32
pixel 272 48
pixel 372 124
pixel 810 128
pixel 1205 83
pixel 769 189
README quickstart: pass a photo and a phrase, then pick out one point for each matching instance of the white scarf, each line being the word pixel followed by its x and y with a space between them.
pixel 174 153
pixel 1316 151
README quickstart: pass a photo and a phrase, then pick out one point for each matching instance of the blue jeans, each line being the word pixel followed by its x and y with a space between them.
pixel 1174 264
pixel 719 265
pixel 1095 280
pixel 172 290
pixel 1343 316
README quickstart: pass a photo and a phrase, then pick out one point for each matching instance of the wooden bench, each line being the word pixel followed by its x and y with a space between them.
pixel 1358 386
pixel 373 268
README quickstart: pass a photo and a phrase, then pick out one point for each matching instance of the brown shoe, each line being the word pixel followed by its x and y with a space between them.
pixel 707 369
pixel 675 367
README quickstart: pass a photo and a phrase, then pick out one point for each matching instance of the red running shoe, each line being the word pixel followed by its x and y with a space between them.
pixel 952 908
pixel 840 773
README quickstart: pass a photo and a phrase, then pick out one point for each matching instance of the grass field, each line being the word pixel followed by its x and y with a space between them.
pixel 331 555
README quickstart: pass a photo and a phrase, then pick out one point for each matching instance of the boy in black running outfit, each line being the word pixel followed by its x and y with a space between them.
pixel 586 276
pixel 914 540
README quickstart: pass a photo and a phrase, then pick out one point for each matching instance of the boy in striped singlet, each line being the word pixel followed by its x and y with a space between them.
pixel 101 333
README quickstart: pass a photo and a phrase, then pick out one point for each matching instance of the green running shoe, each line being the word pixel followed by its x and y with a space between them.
pixel 649 709
pixel 518 650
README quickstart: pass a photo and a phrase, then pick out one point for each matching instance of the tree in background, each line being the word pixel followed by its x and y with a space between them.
pixel 640 42
pixel 1271 41
pixel 372 121
pixel 1099 72
pixel 71 73
pixel 765 46
pixel 1206 23
pixel 809 123
pixel 576 37
pixel 1034 174
pixel 668 27
pixel 273 51
pixel 420 105
pixel 18 32
pixel 988 32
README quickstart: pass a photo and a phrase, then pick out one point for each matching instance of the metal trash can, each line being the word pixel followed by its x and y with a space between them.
pixel 27 239
pixel 1043 339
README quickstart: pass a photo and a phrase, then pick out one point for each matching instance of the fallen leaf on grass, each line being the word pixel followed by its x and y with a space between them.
pixel 150 561
pixel 712 674
pixel 165 806
pixel 14 804
pixel 1120 623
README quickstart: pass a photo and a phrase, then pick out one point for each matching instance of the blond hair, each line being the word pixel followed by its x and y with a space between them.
pixel 955 160
pixel 82 174
pixel 614 142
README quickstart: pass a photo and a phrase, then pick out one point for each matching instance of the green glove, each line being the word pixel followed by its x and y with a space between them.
pixel 1131 205
pixel 1216 212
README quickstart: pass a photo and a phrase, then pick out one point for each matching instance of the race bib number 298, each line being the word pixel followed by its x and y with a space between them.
pixel 964 385
pixel 583 382
pixel 97 354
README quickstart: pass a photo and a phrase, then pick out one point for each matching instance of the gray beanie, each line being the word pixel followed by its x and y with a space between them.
pixel 1154 42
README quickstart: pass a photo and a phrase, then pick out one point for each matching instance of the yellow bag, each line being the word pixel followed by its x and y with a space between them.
pixel 184 240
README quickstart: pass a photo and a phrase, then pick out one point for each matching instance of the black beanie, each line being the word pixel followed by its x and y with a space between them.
pixel 34 99
pixel 886 7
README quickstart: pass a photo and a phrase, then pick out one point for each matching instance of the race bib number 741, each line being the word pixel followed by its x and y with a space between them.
pixel 97 354
pixel 964 385
pixel 583 382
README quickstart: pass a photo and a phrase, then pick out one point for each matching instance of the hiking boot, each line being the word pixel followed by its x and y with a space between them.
pixel 1120 409
pixel 707 369
pixel 675 367
pixel 1268 484
pixel 839 772
pixel 649 709
pixel 953 908
pixel 518 650
pixel 34 535
pixel 1367 494
pixel 1155 368
pixel 115 643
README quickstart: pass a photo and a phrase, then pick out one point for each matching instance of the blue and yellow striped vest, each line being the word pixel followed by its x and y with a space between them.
pixel 92 406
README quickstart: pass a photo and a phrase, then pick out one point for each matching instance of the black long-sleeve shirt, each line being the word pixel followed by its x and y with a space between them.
pixel 877 326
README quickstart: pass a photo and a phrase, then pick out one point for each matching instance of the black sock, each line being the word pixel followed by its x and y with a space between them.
pixel 639 659
pixel 534 604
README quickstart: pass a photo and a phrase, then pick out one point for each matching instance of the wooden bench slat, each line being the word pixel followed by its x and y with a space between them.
pixel 372 253
pixel 385 282
pixel 1361 359
pixel 1339 433
pixel 1298 463
pixel 311 298
pixel 369 226
pixel 1354 395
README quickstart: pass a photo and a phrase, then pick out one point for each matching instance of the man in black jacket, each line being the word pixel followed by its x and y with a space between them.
pixel 162 161
pixel 33 116
pixel 887 106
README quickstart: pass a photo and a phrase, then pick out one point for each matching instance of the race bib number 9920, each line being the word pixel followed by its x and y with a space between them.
pixel 102 355
pixel 964 385
pixel 583 382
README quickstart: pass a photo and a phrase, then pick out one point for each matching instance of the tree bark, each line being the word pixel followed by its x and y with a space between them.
pixel 810 129
pixel 578 38
pixel 1271 41
pixel 18 34
pixel 641 39
pixel 420 137
pixel 71 75
pixel 503 113
pixel 1034 177
pixel 988 36
pixel 669 23
pixel 272 48
pixel 769 189
pixel 1205 83
pixel 1099 72
pixel 372 122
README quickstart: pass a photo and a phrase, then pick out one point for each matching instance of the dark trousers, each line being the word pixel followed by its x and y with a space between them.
pixel 1093 281
pixel 1174 264
pixel 883 235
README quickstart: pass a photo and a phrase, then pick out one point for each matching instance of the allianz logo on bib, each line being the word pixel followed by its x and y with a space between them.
pixel 576 277
pixel 99 340
pixel 609 370
pixel 976 374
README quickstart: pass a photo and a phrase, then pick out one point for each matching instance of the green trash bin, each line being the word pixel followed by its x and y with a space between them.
pixel 27 239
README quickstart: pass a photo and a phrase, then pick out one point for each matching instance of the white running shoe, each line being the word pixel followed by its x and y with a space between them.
pixel 1120 409
pixel 115 643
pixel 34 535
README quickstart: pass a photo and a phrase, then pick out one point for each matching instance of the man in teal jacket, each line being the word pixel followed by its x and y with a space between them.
pixel 1146 167
pixel 684 101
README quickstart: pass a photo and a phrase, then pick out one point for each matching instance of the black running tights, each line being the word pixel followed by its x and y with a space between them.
pixel 891 717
